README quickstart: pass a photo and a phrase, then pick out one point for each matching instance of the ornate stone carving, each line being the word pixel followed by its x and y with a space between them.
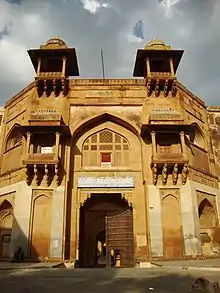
pixel 173 89
pixel 203 178
pixel 157 88
pixel 148 87
pixel 155 174
pixel 175 174
pixel 38 192
pixel 128 197
pixel 166 89
pixel 184 173
pixel 164 174
pixel 83 196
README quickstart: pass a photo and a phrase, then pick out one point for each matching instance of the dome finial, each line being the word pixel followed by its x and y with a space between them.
pixel 156 44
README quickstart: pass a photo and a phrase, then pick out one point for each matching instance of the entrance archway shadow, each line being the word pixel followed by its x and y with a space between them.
pixel 93 215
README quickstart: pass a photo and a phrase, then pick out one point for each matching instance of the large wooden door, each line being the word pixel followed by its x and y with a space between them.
pixel 41 224
pixel 120 238
pixel 172 235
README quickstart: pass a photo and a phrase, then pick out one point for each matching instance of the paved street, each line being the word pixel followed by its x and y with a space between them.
pixel 160 280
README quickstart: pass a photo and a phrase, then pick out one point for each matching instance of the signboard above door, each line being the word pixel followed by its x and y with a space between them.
pixel 111 182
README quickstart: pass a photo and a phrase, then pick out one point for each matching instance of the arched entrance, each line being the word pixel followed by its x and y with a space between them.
pixel 106 232
pixel 6 221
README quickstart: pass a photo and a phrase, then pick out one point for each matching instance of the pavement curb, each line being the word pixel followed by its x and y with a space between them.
pixel 214 269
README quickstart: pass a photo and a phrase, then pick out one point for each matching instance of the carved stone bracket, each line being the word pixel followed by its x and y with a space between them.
pixel 155 173
pixel 46 174
pixel 164 174
pixel 175 174
pixel 83 196
pixel 128 197
pixel 148 87
pixel 52 83
pixel 174 89
pixel 184 174
pixel 157 88
pixel 166 89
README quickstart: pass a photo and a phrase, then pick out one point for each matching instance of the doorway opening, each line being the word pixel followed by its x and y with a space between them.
pixel 106 232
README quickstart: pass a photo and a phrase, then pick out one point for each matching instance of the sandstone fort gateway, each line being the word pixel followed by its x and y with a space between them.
pixel 96 168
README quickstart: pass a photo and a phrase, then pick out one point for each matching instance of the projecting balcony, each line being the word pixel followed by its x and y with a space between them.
pixel 162 75
pixel 50 75
pixel 41 159
pixel 169 158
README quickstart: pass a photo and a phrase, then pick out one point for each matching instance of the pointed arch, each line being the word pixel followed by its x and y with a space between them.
pixel 40 227
pixel 172 233
pixel 197 137
pixel 207 214
pixel 5 204
pixel 13 138
pixel 6 222
pixel 100 118
pixel 105 147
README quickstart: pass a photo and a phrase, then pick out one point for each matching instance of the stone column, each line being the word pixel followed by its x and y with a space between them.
pixel 148 66
pixel 57 144
pixel 64 66
pixel 153 139
pixel 38 66
pixel 171 67
pixel 28 142
pixel 182 141
pixel 77 233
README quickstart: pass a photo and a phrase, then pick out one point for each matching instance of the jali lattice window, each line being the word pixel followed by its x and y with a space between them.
pixel 106 148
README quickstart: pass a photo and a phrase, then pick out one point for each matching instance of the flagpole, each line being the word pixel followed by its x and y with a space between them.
pixel 103 67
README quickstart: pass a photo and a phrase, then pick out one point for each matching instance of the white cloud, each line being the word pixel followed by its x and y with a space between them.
pixel 179 23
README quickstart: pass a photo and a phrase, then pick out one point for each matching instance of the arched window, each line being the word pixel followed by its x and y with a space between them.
pixel 14 139
pixel 106 149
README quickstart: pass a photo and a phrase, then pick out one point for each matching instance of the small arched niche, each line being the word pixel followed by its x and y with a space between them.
pixel 197 138
pixel 207 215
pixel 6 222
pixel 14 138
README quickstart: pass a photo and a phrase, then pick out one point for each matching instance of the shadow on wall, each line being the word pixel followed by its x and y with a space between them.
pixel 95 281
pixel 14 244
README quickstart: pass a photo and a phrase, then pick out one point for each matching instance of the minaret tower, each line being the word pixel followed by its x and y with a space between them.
pixel 158 64
pixel 54 63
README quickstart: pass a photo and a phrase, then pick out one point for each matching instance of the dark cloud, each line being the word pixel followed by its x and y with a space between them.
pixel 192 25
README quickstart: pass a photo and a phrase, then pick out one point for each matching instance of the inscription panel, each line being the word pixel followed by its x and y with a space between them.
pixel 86 182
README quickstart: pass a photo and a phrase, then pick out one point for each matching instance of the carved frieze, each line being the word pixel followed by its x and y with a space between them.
pixel 203 178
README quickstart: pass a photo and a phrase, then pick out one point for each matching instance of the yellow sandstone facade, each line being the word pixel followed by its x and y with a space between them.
pixel 96 168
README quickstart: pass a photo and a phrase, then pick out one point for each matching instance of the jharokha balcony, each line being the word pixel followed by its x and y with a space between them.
pixel 41 159
pixel 46 137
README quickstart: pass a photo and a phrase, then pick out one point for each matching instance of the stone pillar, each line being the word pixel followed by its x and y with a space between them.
pixel 77 232
pixel 171 67
pixel 38 66
pixel 182 141
pixel 21 222
pixel 148 66
pixel 153 139
pixel 57 223
pixel 28 143
pixel 155 220
pixel 64 66
pixel 57 144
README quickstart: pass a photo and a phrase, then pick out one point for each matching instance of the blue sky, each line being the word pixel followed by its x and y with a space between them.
pixel 120 27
